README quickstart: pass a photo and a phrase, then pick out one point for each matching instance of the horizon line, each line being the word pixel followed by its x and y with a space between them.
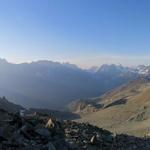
pixel 66 62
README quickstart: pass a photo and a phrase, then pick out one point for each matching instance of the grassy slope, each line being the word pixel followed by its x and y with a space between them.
pixel 133 117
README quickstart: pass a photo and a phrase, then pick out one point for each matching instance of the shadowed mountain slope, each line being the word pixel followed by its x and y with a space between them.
pixel 52 85
pixel 8 106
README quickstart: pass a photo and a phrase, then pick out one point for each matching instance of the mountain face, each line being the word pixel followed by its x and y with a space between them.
pixel 52 85
pixel 83 106
pixel 44 83
pixel 125 109
pixel 144 70
pixel 115 75
pixel 8 106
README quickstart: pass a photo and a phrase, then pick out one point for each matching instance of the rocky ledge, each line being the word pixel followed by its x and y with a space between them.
pixel 41 132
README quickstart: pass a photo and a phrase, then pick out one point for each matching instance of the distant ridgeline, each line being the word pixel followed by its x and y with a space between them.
pixel 52 85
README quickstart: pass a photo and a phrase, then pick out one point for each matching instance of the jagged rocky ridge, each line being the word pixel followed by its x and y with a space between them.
pixel 41 132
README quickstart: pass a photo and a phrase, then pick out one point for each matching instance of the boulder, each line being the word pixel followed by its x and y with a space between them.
pixel 51 123
pixel 43 132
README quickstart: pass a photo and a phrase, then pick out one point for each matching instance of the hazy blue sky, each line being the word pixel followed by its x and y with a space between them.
pixel 85 32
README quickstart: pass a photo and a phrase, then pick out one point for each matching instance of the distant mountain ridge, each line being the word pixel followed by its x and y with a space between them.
pixel 53 85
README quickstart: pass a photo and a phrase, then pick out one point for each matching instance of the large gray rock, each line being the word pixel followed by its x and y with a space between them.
pixel 44 132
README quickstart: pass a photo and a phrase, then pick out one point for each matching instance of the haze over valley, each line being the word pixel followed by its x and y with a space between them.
pixel 47 84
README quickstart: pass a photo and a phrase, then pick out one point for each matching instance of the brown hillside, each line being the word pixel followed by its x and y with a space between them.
pixel 126 109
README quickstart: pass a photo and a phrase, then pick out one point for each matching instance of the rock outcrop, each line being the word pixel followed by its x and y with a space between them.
pixel 39 132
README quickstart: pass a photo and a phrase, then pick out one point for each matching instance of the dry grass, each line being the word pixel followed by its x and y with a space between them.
pixel 132 117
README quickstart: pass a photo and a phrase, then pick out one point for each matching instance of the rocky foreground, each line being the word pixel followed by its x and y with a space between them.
pixel 41 132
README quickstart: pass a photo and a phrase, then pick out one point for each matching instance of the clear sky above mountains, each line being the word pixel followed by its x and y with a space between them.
pixel 85 32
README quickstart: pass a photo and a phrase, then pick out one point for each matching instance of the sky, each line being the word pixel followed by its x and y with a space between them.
pixel 83 32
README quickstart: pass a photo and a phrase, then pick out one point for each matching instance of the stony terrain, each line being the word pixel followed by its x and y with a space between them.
pixel 41 132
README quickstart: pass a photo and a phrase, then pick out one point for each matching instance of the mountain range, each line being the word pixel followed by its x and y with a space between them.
pixel 113 97
pixel 53 85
